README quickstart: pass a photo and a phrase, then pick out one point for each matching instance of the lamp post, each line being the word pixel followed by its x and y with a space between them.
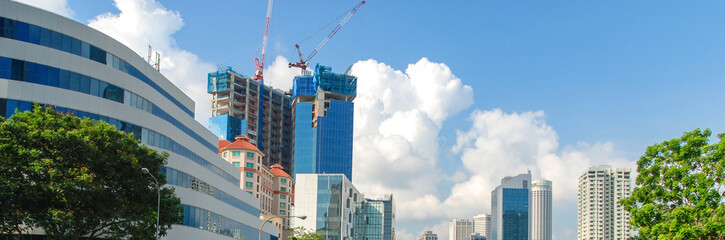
pixel 158 200
pixel 276 216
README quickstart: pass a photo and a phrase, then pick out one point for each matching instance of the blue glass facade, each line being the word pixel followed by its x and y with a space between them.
pixel 324 122
pixel 30 33
pixel 329 206
pixel 31 72
pixel 227 127
pixel 210 221
pixel 334 139
pixel 304 154
pixel 303 86
pixel 515 206
pixel 369 221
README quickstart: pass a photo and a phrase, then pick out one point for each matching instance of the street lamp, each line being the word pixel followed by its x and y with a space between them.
pixel 276 216
pixel 158 200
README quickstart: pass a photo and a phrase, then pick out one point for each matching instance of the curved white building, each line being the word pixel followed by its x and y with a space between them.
pixel 52 60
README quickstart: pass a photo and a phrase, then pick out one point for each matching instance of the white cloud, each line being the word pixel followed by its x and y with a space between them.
pixel 131 27
pixel 398 117
pixel 397 120
pixel 59 7
pixel 279 75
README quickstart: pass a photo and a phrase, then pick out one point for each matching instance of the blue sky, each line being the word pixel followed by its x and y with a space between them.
pixel 591 82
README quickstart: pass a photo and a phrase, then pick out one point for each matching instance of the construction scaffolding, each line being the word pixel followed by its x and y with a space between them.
pixel 337 83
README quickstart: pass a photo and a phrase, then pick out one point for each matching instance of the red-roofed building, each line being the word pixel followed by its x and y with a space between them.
pixel 273 186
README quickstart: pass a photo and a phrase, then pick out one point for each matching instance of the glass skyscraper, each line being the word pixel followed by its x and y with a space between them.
pixel 510 208
pixel 323 111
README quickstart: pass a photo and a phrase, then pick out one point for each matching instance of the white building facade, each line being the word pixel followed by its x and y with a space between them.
pixel 540 210
pixel 482 224
pixel 328 201
pixel 599 214
pixel 460 229
pixel 55 61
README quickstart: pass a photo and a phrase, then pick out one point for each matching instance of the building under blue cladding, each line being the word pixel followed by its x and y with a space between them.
pixel 323 111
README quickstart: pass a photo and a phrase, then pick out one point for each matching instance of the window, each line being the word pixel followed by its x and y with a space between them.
pixel 249 184
pixel 224 154
pixel 283 180
pixel 250 165
pixel 281 212
pixel 236 164
pixel 236 153
pixel 283 196
pixel 281 204
pixel 249 174
pixel 284 189
pixel 250 154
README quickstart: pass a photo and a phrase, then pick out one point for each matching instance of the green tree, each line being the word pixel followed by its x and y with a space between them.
pixel 679 190
pixel 299 233
pixel 77 178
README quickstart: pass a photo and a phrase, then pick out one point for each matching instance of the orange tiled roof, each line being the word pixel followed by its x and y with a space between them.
pixel 277 170
pixel 241 141
pixel 223 143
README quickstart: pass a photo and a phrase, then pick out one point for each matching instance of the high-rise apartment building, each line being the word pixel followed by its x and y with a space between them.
pixel 428 235
pixel 482 224
pixel 57 62
pixel 600 216
pixel 540 210
pixel 460 229
pixel 328 201
pixel 510 208
pixel 235 110
pixel 271 185
pixel 323 119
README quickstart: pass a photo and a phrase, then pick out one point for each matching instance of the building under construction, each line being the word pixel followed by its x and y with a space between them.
pixel 324 112
pixel 235 111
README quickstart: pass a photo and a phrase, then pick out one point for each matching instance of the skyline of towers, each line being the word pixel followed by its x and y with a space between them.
pixel 599 214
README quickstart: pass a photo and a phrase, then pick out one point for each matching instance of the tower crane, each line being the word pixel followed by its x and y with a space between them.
pixel 259 76
pixel 259 64
pixel 305 61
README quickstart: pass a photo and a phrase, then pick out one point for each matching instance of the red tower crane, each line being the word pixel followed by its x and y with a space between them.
pixel 259 65
pixel 304 62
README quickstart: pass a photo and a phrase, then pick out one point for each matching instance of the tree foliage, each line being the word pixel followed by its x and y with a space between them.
pixel 679 190
pixel 299 233
pixel 78 178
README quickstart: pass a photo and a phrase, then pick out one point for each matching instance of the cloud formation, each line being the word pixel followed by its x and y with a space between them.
pixel 398 117
pixel 59 7
pixel 279 75
pixel 181 67
pixel 397 120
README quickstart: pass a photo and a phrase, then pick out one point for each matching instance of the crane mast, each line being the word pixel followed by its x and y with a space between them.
pixel 259 76
pixel 259 64
pixel 302 64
